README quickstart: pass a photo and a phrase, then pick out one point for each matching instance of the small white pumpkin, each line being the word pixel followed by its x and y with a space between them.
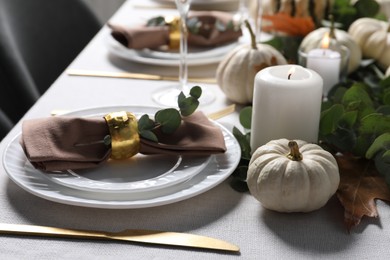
pixel 373 37
pixel 292 176
pixel 236 72
pixel 313 40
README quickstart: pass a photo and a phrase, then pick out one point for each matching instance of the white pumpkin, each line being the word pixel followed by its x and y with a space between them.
pixel 373 37
pixel 236 72
pixel 286 178
pixel 313 40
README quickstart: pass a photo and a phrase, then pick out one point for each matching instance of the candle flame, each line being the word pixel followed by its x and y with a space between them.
pixel 325 41
pixel 290 72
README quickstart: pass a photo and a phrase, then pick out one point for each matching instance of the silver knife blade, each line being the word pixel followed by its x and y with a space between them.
pixel 131 235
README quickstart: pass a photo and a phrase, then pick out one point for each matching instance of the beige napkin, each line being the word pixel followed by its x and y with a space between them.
pixel 49 143
pixel 155 36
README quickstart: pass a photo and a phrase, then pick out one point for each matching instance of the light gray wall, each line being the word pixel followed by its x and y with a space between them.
pixel 104 9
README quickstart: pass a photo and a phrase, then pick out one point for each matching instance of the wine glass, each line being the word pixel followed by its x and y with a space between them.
pixel 168 95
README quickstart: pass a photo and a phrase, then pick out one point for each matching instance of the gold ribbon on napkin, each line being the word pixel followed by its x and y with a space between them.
pixel 207 29
pixel 64 142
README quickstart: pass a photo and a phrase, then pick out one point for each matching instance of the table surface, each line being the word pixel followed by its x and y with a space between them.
pixel 220 212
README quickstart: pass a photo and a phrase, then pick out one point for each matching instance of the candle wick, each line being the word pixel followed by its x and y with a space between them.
pixel 289 76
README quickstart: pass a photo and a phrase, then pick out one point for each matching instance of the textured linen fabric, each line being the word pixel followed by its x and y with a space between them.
pixel 220 212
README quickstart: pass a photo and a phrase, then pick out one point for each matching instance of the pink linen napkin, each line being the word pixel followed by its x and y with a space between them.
pixel 209 34
pixel 49 143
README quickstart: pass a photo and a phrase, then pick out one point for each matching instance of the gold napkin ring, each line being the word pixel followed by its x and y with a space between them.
pixel 174 31
pixel 123 127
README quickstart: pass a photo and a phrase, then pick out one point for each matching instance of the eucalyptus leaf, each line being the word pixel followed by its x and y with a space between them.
pixel 245 117
pixel 386 157
pixel 169 120
pixel 244 143
pixel 145 123
pixel 196 92
pixel 330 119
pixel 357 92
pixel 241 171
pixel 382 142
pixel 188 106
pixel 348 119
pixel 343 139
pixel 383 167
pixel 385 82
pixel 156 21
pixel 339 92
pixel 374 124
pixel 386 98
pixel 385 110
pixel 367 8
pixel 149 135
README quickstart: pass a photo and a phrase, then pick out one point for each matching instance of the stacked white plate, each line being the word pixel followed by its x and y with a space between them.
pixel 195 56
pixel 141 181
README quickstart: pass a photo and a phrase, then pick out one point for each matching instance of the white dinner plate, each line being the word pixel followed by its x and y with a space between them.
pixel 160 58
pixel 193 53
pixel 36 182
pixel 140 173
pixel 202 2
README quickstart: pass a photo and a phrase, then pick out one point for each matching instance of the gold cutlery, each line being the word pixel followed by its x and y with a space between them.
pixel 131 235
pixel 222 112
pixel 214 115
pixel 130 75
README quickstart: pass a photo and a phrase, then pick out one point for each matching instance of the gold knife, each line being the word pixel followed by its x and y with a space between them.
pixel 129 75
pixel 131 235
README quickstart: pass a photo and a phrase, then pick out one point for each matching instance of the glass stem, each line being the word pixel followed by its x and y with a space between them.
pixel 183 68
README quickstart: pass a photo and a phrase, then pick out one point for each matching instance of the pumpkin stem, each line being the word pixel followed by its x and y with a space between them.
pixel 252 34
pixel 332 33
pixel 294 154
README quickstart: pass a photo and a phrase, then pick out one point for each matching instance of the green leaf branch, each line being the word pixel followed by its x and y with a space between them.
pixel 169 119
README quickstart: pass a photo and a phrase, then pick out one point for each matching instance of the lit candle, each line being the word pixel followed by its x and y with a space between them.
pixel 326 62
pixel 286 104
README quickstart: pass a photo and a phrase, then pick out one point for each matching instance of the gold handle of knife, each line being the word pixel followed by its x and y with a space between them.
pixel 130 75
pixel 132 235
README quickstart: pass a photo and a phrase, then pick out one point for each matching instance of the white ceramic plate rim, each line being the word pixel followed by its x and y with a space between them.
pixel 24 175
pixel 202 2
pixel 151 58
pixel 185 169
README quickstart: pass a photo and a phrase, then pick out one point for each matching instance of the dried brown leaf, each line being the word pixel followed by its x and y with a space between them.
pixel 360 185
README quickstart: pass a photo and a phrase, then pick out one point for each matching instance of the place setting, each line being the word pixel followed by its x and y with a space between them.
pixel 54 161
pixel 211 34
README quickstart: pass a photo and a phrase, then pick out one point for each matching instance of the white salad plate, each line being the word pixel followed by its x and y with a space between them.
pixel 195 56
pixel 208 171
pixel 140 173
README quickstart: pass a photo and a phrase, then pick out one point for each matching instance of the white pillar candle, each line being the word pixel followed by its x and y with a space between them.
pixel 325 62
pixel 286 104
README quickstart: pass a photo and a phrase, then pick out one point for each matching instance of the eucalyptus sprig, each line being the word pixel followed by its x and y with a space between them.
pixel 356 119
pixel 239 175
pixel 169 119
